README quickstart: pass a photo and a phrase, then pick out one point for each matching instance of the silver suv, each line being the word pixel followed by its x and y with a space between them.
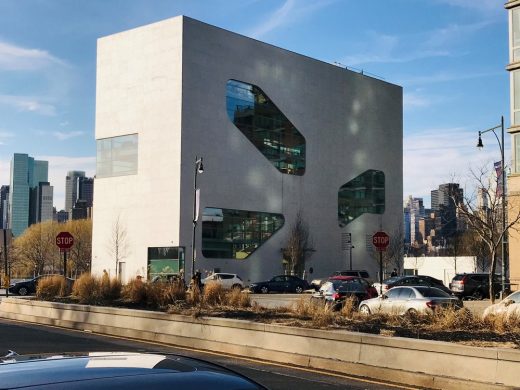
pixel 225 280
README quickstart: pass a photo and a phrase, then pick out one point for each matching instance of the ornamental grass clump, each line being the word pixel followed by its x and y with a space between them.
pixel 236 298
pixel 213 294
pixel 135 291
pixel 86 289
pixel 110 288
pixel 51 287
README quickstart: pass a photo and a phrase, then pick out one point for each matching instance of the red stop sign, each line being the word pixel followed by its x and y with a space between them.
pixel 380 241
pixel 64 240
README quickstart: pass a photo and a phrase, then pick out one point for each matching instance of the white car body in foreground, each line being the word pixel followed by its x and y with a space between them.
pixel 225 280
pixel 508 306
pixel 409 299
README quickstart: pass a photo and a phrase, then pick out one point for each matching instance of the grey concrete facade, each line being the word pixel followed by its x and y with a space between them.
pixel 166 82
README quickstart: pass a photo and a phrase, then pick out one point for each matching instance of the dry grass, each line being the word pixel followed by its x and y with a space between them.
pixel 237 298
pixel 213 294
pixel 86 289
pixel 52 287
pixel 110 288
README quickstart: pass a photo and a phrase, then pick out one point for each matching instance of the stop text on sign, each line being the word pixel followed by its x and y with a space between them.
pixel 64 240
pixel 380 240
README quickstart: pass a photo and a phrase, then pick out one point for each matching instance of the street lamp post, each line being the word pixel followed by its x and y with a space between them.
pixel 199 168
pixel 503 194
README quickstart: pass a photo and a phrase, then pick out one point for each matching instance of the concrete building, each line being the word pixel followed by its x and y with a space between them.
pixel 280 134
pixel 513 179
pixel 441 267
pixel 26 174
pixel 41 203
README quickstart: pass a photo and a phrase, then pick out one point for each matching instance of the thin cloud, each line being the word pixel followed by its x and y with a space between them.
pixel 478 5
pixel 436 156
pixel 443 77
pixel 28 104
pixel 4 135
pixel 19 58
pixel 290 12
pixel 65 135
pixel 385 48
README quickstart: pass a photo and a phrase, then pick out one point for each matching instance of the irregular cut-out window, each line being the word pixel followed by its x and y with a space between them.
pixel 363 194
pixel 257 117
pixel 235 234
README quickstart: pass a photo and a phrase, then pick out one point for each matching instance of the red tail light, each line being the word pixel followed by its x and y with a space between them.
pixel 431 304
pixel 462 281
pixel 335 296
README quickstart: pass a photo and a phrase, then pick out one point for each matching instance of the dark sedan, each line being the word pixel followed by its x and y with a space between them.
pixel 280 283
pixel 114 371
pixel 334 293
pixel 28 287
pixel 413 280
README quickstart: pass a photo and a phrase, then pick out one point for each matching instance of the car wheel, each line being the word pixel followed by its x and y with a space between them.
pixel 411 312
pixel 22 291
pixel 298 289
pixel 477 294
pixel 364 309
pixel 236 287
pixel 264 290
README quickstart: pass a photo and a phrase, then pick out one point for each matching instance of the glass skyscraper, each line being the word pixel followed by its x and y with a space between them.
pixel 26 173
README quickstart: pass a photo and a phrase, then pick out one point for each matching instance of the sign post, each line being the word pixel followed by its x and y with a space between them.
pixel 346 243
pixel 64 241
pixel 380 241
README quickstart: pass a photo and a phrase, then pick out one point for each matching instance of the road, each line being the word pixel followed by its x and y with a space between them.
pixel 28 338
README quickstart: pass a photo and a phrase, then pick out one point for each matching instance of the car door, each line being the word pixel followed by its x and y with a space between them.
pixel 277 284
pixel 404 301
pixel 389 300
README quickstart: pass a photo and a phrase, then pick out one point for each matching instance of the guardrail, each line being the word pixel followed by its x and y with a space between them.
pixel 428 364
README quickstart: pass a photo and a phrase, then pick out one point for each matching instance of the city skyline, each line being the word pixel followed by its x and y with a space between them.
pixel 449 56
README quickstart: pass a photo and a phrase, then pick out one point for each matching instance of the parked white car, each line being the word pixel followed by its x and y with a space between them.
pixel 225 280
pixel 508 306
pixel 411 300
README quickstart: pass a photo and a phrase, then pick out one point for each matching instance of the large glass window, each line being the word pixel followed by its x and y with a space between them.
pixel 516 164
pixel 363 194
pixel 116 156
pixel 235 234
pixel 257 117
pixel 163 262
pixel 515 39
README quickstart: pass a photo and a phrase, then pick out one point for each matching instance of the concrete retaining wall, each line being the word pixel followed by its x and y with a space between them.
pixel 423 363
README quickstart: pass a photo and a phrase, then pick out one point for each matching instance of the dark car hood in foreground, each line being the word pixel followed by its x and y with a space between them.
pixel 118 371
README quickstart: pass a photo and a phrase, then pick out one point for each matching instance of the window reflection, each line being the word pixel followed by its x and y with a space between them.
pixel 235 234
pixel 363 194
pixel 257 117
pixel 116 156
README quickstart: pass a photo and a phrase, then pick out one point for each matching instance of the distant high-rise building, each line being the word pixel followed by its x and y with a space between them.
pixel 41 209
pixel 4 207
pixel 86 190
pixel 414 213
pixel 447 221
pixel 72 188
pixel 26 173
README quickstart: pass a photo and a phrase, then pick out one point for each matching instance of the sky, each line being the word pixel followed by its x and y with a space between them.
pixel 448 55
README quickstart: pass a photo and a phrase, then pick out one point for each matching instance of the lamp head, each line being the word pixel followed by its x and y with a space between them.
pixel 480 145
pixel 200 167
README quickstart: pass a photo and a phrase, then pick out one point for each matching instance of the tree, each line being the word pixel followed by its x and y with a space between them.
pixel 35 250
pixel 117 245
pixel 299 245
pixel 80 255
pixel 486 219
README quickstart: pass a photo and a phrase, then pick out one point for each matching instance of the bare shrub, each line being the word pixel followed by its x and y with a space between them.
pixel 51 287
pixel 213 294
pixel 323 317
pixel 175 291
pixel 305 307
pixel 451 319
pixel 86 289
